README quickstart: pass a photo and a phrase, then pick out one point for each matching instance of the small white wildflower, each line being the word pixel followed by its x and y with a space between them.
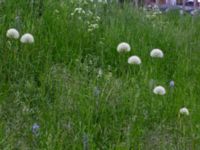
pixel 56 11
pixel 184 111
pixel 181 12
pixel 155 7
pixel 102 1
pixel 108 76
pixel 157 53
pixel 194 12
pixel 153 16
pixel 123 47
pixel 90 30
pixel 12 33
pixel 157 12
pixel 89 13
pixel 79 10
pixel 100 73
pixel 134 60
pixel 97 18
pixel 27 38
pixel 159 90
pixel 92 27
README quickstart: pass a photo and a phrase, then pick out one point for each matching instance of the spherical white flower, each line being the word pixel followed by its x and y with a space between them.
pixel 134 60
pixel 12 33
pixel 159 90
pixel 184 111
pixel 27 38
pixel 123 47
pixel 157 53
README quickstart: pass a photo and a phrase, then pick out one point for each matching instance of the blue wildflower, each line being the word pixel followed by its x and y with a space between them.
pixel 96 91
pixel 35 128
pixel 85 142
pixel 172 83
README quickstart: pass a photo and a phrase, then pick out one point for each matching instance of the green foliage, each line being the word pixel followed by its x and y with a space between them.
pixel 82 93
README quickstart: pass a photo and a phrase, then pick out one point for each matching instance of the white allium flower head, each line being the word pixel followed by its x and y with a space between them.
pixel 27 38
pixel 159 90
pixel 123 47
pixel 134 60
pixel 184 111
pixel 12 33
pixel 157 53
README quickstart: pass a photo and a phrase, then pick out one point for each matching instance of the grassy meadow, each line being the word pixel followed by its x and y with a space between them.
pixel 72 90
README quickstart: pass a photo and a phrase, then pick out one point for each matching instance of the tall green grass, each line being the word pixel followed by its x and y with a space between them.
pixel 55 83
